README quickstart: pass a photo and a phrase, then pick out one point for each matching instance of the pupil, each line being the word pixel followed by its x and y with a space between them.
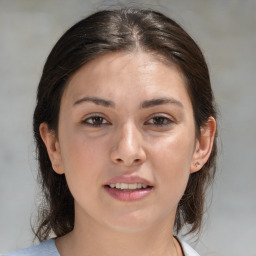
pixel 97 120
pixel 159 120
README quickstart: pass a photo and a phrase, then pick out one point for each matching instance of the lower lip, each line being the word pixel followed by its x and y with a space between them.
pixel 128 195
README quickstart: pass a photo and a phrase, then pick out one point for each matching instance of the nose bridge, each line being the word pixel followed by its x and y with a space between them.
pixel 128 149
pixel 129 139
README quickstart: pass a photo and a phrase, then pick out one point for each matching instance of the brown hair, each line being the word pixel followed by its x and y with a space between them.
pixel 114 31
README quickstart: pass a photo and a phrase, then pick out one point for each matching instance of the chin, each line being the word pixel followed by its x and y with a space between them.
pixel 131 223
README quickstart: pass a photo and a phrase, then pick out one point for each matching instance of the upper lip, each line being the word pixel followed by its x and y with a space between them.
pixel 128 179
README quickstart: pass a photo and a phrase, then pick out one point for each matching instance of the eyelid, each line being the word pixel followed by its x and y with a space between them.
pixel 94 115
pixel 161 115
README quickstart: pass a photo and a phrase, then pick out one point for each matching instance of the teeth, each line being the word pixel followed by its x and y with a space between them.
pixel 132 186
pixel 127 186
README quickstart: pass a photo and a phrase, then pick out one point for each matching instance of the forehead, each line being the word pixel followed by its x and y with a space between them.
pixel 122 73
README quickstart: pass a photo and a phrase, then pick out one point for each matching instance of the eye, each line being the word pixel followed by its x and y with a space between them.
pixel 95 121
pixel 159 121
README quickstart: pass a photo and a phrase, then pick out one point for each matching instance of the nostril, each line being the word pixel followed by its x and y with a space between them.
pixel 121 161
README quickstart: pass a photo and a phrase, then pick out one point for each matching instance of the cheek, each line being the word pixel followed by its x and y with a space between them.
pixel 83 158
pixel 172 159
pixel 175 150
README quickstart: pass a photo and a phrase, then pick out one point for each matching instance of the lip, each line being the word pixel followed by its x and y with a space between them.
pixel 126 194
pixel 129 180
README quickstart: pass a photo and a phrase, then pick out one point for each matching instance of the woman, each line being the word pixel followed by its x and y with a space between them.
pixel 125 126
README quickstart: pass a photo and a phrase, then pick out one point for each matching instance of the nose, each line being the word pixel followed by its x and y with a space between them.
pixel 128 149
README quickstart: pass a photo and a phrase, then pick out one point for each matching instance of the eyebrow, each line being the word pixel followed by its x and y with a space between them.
pixel 144 104
pixel 97 101
pixel 160 101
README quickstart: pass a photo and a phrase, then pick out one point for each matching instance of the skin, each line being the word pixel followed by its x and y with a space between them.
pixel 156 142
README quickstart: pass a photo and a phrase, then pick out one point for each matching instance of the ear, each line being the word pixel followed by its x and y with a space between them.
pixel 204 145
pixel 53 148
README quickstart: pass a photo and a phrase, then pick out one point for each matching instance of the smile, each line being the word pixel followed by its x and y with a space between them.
pixel 128 186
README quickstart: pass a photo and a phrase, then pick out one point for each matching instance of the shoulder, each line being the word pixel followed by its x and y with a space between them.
pixel 188 250
pixel 45 248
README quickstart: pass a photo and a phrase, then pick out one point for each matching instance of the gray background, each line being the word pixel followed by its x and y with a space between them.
pixel 226 32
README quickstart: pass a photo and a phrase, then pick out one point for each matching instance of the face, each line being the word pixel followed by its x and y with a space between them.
pixel 126 141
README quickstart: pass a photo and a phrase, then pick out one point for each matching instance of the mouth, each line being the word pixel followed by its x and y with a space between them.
pixel 128 191
pixel 129 187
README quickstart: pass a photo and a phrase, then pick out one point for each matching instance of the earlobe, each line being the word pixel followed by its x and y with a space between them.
pixel 204 145
pixel 52 145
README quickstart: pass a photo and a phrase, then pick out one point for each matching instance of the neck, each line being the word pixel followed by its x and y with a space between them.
pixel 89 238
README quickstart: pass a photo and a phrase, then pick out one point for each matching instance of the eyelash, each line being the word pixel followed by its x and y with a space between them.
pixel 165 121
pixel 94 117
pixel 162 121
